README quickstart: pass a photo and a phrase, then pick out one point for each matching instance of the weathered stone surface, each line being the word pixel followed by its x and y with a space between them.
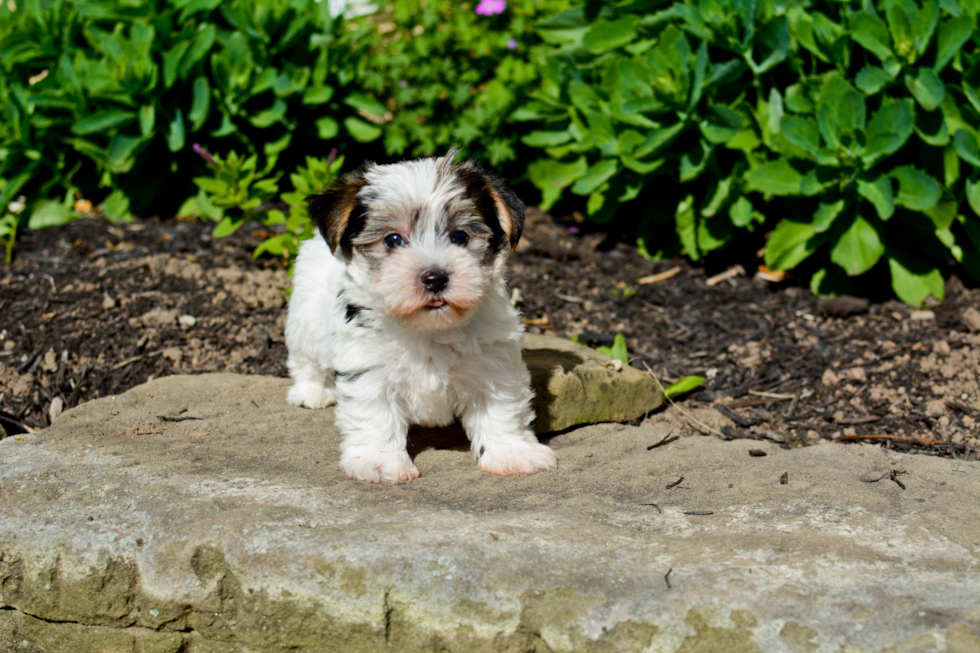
pixel 574 384
pixel 237 532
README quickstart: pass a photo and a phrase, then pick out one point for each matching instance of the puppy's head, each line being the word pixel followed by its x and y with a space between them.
pixel 423 240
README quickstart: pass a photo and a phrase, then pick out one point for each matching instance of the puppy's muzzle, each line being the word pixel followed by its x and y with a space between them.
pixel 435 281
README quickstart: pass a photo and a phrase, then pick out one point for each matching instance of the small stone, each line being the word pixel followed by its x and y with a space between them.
pixel 159 317
pixel 57 406
pixel 174 354
pixel 829 378
pixel 10 345
pixel 971 318
pixel 187 321
pixel 941 347
pixel 935 407
pixel 50 363
pixel 574 385
pixel 108 303
pixel 857 374
pixel 922 316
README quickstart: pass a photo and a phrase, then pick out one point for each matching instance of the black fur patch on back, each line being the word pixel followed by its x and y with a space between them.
pixel 351 312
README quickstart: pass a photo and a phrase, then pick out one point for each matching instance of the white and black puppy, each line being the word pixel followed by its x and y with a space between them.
pixel 400 315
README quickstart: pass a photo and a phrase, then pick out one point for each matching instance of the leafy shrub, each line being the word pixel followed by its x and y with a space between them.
pixel 845 125
pixel 450 77
pixel 235 192
pixel 104 98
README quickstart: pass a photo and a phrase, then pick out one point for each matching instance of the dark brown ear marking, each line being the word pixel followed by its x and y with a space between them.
pixel 500 207
pixel 338 213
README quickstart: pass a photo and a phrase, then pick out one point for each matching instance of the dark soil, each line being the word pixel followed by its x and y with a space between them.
pixel 93 309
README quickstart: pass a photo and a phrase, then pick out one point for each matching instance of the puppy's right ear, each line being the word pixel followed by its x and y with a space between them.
pixel 338 213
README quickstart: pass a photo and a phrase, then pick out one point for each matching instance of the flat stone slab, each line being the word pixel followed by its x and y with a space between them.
pixel 574 385
pixel 236 531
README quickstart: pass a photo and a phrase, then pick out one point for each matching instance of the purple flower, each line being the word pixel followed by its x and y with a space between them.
pixel 573 229
pixel 512 44
pixel 204 154
pixel 332 156
pixel 491 7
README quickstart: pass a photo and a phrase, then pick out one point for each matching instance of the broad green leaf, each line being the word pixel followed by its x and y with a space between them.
pixel 825 215
pixel 742 213
pixel 270 116
pixel 872 33
pixel 629 140
pixel 802 133
pixel 840 110
pixel 774 178
pixel 608 35
pixel 872 79
pixel 916 190
pixel 966 146
pixel 147 119
pixel 200 103
pixel 931 128
pixel 546 138
pixel 365 103
pixel 103 122
pixel 790 244
pixel 551 177
pixel 951 166
pixel 116 207
pixel 619 350
pixel 771 43
pixel 889 129
pixel 942 214
pixel 683 386
pixel 900 26
pixel 176 136
pixel 326 128
pixel 694 160
pixel 879 193
pixel 858 249
pixel 598 174
pixel 121 152
pixel 686 226
pixel 50 213
pixel 227 226
pixel 361 130
pixel 973 196
pixel 925 87
pixel 953 35
pixel 723 188
pixel 914 281
pixel 658 139
pixel 318 94
pixel 830 281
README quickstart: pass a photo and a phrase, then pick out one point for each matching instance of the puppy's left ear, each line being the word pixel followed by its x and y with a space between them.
pixel 338 213
pixel 510 210
pixel 499 205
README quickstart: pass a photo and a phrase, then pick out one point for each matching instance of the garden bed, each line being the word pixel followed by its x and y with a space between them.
pixel 94 309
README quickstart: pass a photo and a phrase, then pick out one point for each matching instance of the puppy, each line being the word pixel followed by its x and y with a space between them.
pixel 400 315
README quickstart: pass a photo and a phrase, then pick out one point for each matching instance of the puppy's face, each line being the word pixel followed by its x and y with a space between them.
pixel 423 240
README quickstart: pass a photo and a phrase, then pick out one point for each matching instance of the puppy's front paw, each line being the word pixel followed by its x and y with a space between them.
pixel 363 464
pixel 311 395
pixel 518 458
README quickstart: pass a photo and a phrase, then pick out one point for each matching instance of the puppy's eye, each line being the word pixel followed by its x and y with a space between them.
pixel 459 238
pixel 392 241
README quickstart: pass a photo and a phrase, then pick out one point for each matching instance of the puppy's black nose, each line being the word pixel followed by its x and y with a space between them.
pixel 435 280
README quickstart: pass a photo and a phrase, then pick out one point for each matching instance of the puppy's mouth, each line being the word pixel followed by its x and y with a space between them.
pixel 436 303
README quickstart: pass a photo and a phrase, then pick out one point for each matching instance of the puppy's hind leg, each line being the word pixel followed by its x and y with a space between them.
pixel 314 384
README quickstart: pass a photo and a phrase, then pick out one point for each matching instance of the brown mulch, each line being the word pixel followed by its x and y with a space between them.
pixel 94 309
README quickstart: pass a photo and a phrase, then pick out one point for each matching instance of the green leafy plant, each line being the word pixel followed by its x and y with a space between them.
pixel 618 350
pixel 849 129
pixel 450 77
pixel 683 386
pixel 102 99
pixel 235 193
